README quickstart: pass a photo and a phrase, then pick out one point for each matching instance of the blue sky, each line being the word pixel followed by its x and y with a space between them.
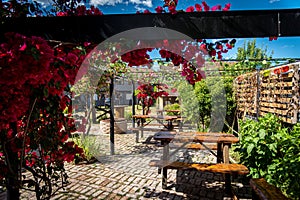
pixel 131 6
pixel 283 47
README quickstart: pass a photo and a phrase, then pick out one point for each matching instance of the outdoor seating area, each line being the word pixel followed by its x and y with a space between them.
pixel 188 101
pixel 128 175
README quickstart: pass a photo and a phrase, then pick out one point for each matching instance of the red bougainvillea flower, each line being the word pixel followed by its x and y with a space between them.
pixel 217 7
pixel 229 46
pixel 205 6
pixel 273 38
pixel 32 70
pixel 137 57
pixel 172 9
pixel 198 7
pixel 227 7
pixel 159 9
pixel 147 94
pixel 171 4
pixel 190 9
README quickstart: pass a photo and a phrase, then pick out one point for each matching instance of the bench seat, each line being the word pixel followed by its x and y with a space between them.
pixel 261 189
pixel 215 168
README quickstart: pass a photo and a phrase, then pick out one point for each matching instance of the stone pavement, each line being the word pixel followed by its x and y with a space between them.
pixel 127 175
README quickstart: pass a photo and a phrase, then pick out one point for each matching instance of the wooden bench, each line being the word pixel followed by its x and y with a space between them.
pixel 261 189
pixel 227 169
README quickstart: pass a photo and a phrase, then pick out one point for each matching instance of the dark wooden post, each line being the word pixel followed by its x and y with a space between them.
pixel 112 119
pixel 133 103
pixel 12 183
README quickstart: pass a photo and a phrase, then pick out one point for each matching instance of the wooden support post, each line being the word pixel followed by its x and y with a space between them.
pixel 219 153
pixel 136 136
pixel 226 161
pixel 112 119
pixel 295 94
pixel 164 170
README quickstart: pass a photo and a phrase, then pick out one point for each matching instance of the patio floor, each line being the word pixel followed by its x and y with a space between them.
pixel 127 175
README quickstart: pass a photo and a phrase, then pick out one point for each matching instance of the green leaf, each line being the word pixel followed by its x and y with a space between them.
pixel 262 133
pixel 249 148
pixel 273 147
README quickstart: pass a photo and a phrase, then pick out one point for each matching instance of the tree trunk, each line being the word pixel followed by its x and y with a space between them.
pixel 12 178
pixel 92 107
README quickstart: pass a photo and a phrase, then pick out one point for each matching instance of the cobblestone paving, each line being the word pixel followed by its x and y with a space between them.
pixel 128 176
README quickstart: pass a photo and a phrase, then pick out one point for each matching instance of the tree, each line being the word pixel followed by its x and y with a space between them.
pixel 147 94
pixel 252 56
pixel 251 51
pixel 214 97
pixel 204 101
pixel 34 129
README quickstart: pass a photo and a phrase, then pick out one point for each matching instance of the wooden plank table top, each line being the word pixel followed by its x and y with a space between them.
pixel 141 116
pixel 197 137
pixel 160 119
pixel 167 117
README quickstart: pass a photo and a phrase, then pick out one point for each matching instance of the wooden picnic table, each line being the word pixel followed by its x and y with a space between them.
pixel 223 141
pixel 142 123
pixel 142 118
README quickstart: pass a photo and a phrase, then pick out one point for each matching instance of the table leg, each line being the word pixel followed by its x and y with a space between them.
pixel 137 136
pixel 142 131
pixel 170 125
pixel 164 170
pixel 180 124
pixel 226 153
pixel 226 161
pixel 219 153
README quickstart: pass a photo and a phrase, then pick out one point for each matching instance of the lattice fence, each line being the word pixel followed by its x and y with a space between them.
pixel 273 90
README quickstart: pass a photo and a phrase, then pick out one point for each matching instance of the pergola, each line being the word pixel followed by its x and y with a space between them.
pixel 196 25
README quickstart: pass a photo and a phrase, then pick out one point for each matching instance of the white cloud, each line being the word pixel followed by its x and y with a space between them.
pixel 288 46
pixel 147 3
pixel 138 8
pixel 273 1
pixel 105 2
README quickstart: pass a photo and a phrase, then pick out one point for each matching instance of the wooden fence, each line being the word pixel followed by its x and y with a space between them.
pixel 274 90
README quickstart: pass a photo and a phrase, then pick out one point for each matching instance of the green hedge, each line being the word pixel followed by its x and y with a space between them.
pixel 272 151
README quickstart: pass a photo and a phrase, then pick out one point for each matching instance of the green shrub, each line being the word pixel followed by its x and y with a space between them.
pixel 285 169
pixel 174 106
pixel 89 145
pixel 128 115
pixel 269 150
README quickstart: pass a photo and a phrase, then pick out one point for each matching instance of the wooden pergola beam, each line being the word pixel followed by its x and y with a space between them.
pixel 197 25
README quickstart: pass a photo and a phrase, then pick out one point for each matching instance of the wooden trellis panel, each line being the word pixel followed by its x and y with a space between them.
pixel 273 90
pixel 246 94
